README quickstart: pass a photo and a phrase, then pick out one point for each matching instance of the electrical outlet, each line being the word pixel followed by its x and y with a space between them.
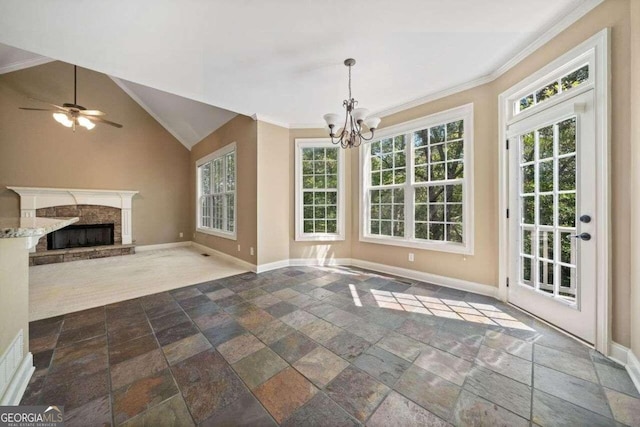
pixel 181 235
pixel 251 251
pixel 238 248
pixel 411 258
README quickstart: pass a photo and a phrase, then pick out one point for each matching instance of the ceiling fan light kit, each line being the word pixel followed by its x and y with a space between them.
pixel 356 121
pixel 73 115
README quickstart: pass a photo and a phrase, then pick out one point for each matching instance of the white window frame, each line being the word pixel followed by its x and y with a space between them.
pixel 300 235
pixel 229 148
pixel 464 112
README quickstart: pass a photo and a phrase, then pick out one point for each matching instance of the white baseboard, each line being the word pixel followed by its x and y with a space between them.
pixel 618 353
pixel 633 368
pixel 273 266
pixel 448 282
pixel 624 356
pixel 160 246
pixel 237 261
pixel 15 371
pixel 300 262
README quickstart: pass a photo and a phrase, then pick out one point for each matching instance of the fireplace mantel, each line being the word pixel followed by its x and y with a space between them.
pixel 32 198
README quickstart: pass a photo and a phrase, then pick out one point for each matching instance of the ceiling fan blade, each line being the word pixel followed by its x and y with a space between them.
pixel 92 113
pixel 37 109
pixel 106 122
pixel 59 107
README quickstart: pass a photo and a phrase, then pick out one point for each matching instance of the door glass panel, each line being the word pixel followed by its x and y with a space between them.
pixel 548 253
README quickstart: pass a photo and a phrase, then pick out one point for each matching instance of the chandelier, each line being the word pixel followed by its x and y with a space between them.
pixel 356 121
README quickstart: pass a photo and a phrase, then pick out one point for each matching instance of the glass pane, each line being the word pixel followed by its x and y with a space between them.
pixel 545 142
pixel 455 170
pixel 527 147
pixel 421 138
pixel 575 78
pixel 568 248
pixel 307 181
pixel 375 227
pixel 332 153
pixel 332 181
pixel 436 134
pixel 545 276
pixel 321 226
pixel 398 143
pixel 527 241
pixel 319 182
pixel 320 212
pixel 454 193
pixel 545 244
pixel 528 210
pixel 545 176
pixel 307 198
pixel 205 176
pixel 421 156
pixel 421 195
pixel 385 228
pixel 528 178
pixel 422 173
pixel 454 150
pixel 375 148
pixel 398 228
pixel 332 166
pixel 547 92
pixel 308 226
pixel 399 160
pixel 436 213
pixel 400 176
pixel 332 212
pixel 318 167
pixel 319 197
pixel 526 271
pixel 387 177
pixel 568 282
pixel 567 136
pixel 231 171
pixel 454 212
pixel 567 210
pixel 436 231
pixel 421 213
pixel 526 102
pixel 422 230
pixel 307 212
pixel 545 210
pixel 318 154
pixel 387 145
pixel 437 171
pixel 455 130
pixel 307 167
pixel 454 233
pixel 376 178
pixel 567 173
pixel 307 154
pixel 332 227
pixel 437 153
pixel 436 193
pixel 332 197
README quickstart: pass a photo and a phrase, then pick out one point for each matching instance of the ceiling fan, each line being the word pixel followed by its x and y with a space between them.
pixel 72 115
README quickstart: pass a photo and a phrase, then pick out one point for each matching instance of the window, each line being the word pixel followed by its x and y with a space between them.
pixel 216 189
pixel 551 89
pixel 417 183
pixel 319 190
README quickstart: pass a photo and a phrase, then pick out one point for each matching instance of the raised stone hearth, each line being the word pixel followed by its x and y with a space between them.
pixel 77 254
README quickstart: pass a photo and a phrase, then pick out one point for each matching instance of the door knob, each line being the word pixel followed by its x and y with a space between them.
pixel 585 219
pixel 582 236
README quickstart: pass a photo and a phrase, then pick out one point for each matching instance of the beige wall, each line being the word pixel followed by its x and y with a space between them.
pixel 37 151
pixel 243 131
pixel 273 193
pixel 320 250
pixel 14 292
pixel 635 181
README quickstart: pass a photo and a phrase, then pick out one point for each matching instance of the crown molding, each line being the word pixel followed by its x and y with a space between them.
pixel 555 28
pixel 266 119
pixel 146 108
pixel 21 65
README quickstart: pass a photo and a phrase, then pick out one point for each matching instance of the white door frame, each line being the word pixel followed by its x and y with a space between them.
pixel 596 49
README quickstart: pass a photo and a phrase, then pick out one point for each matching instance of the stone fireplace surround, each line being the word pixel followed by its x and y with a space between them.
pixel 91 206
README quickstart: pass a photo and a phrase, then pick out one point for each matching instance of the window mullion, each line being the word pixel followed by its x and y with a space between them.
pixel 409 214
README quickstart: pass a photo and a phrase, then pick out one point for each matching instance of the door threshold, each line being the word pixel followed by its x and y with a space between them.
pixel 570 335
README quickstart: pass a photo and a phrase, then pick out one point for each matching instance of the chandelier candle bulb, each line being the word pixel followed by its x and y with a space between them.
pixel 350 134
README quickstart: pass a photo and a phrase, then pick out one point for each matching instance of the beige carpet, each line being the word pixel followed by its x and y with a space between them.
pixel 56 289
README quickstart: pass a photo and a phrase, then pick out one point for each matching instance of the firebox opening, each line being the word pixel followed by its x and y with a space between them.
pixel 77 236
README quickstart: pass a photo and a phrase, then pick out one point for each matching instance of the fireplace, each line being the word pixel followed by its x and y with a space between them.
pixel 79 236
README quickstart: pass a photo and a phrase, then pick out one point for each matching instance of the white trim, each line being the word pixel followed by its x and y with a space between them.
pixel 628 359
pixel 161 246
pixel 599 45
pixel 21 65
pixel 448 282
pixel 464 112
pixel 633 368
pixel 219 153
pixel 237 261
pixel 300 235
pixel 618 353
pixel 266 119
pixel 15 371
pixel 148 109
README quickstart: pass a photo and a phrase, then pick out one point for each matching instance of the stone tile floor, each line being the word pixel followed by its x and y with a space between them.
pixel 311 346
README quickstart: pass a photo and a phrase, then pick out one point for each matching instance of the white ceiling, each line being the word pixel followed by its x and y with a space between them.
pixel 282 59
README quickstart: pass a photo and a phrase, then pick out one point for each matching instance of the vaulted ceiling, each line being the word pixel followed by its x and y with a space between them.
pixel 281 61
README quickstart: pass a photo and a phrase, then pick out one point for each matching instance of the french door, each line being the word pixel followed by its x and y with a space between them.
pixel 552 205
